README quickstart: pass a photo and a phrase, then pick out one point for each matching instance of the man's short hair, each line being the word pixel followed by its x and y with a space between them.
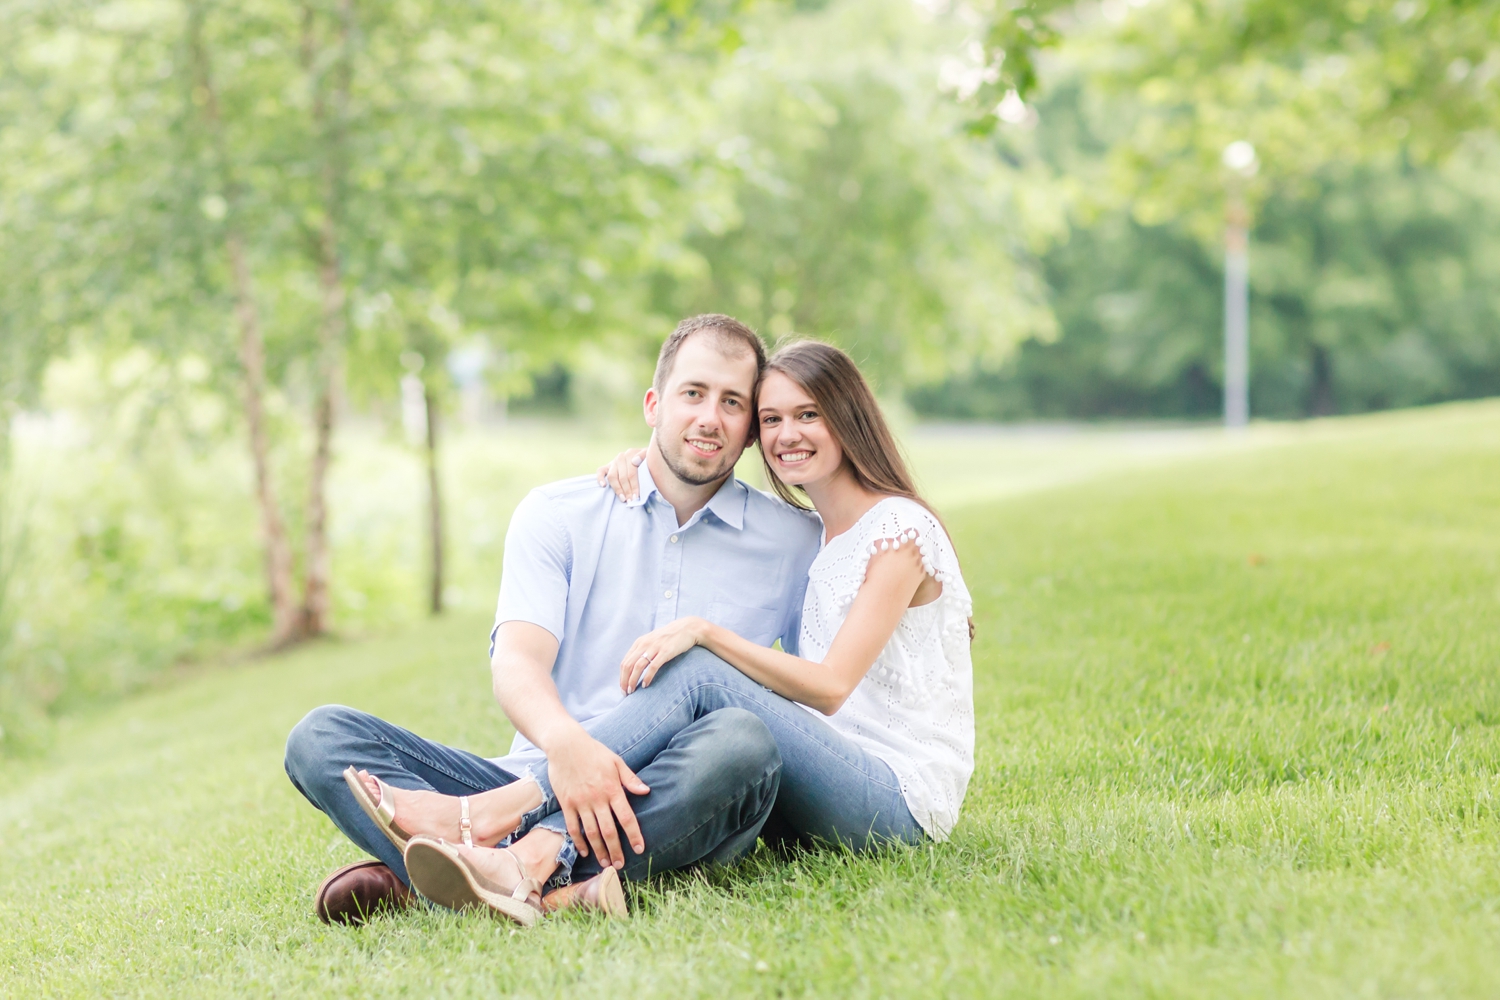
pixel 730 334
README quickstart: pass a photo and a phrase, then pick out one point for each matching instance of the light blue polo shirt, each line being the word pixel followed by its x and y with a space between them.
pixel 598 574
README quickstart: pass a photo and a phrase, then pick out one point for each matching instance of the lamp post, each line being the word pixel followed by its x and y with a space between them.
pixel 1239 157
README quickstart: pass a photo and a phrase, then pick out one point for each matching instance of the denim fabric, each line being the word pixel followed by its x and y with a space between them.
pixel 832 789
pixel 712 784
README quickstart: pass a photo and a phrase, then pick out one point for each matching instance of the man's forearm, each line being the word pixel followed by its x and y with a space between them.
pixel 533 706
pixel 521 677
pixel 588 778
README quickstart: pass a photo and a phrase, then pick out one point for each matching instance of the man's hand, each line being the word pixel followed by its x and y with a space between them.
pixel 590 782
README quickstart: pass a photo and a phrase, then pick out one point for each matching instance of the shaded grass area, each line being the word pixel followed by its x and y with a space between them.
pixel 1238 736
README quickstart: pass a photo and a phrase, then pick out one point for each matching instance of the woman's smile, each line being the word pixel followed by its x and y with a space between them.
pixel 794 435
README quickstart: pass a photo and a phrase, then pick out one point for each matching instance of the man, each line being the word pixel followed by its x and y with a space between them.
pixel 584 576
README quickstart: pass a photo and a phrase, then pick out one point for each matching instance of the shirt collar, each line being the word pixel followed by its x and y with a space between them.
pixel 728 504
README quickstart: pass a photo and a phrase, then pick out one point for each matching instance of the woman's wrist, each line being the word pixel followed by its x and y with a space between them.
pixel 704 632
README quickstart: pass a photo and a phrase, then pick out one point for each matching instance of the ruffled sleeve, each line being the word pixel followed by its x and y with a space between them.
pixel 899 522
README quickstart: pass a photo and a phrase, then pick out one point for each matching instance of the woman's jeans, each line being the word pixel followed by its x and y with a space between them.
pixel 832 789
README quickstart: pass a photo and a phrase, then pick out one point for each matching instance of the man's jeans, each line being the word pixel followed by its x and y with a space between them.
pixel 712 783
pixel 832 789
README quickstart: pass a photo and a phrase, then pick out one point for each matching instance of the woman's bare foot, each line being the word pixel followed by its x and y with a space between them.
pixel 492 815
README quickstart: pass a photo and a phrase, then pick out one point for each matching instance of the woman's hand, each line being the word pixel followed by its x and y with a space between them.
pixel 652 650
pixel 620 474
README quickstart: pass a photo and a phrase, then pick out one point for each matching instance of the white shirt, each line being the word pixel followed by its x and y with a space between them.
pixel 915 708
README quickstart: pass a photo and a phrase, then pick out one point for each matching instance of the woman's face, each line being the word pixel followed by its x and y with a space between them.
pixel 795 438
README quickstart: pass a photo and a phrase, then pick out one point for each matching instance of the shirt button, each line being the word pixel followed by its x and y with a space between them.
pixel 669 593
pixel 674 538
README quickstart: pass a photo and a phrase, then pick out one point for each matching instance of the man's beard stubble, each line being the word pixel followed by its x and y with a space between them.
pixel 684 472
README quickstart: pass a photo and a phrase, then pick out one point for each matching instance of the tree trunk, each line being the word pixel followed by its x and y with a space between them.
pixel 1320 399
pixel 315 594
pixel 434 500
pixel 278 550
pixel 251 350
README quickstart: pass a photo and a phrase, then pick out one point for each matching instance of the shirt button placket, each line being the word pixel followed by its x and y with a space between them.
pixel 671 577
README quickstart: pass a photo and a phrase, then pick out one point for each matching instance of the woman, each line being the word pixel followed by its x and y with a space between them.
pixel 886 751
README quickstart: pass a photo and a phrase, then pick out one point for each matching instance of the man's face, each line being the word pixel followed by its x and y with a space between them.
pixel 702 417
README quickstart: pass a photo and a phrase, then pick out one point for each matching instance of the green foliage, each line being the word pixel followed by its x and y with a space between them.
pixel 1139 312
pixel 1376 289
pixel 1312 81
pixel 863 213
pixel 1373 285
pixel 1237 736
pixel 137 559
pixel 554 182
pixel 1013 42
pixel 1306 83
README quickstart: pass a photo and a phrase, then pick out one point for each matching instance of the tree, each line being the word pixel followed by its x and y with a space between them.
pixel 285 624
pixel 863 210
pixel 328 62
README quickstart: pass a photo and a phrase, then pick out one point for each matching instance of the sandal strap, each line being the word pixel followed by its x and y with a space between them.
pixel 465 829
pixel 527 885
pixel 386 807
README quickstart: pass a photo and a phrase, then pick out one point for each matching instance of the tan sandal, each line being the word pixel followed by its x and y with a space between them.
pixel 439 871
pixel 383 813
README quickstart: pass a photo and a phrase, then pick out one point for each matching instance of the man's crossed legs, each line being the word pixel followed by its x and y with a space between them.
pixel 714 747
pixel 712 787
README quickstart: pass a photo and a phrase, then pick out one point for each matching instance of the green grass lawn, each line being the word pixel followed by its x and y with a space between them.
pixel 1239 734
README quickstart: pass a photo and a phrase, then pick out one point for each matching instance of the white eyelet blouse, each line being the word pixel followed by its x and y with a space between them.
pixel 915 708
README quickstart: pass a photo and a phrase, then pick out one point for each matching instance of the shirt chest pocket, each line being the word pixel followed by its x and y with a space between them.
pixel 759 625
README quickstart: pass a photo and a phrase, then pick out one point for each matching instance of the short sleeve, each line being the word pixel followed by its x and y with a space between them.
pixel 902 522
pixel 536 570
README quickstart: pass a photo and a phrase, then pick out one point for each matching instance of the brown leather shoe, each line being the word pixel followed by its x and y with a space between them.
pixel 600 894
pixel 355 892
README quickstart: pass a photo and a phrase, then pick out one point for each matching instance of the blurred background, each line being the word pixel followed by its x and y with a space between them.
pixel 297 300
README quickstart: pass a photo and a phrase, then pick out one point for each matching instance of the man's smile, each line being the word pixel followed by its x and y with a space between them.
pixel 705 447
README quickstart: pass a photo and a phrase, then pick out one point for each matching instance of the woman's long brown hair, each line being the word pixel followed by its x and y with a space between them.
pixel 845 401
